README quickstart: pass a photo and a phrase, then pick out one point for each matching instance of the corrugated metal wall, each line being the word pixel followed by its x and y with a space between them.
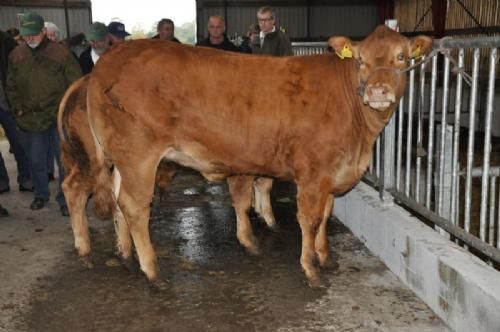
pixel 486 12
pixel 409 12
pixel 79 18
pixel 354 20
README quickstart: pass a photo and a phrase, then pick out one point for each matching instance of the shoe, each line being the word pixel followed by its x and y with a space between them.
pixel 64 211
pixel 23 188
pixel 4 190
pixel 50 176
pixel 38 203
pixel 3 212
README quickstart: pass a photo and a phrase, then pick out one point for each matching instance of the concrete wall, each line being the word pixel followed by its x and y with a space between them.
pixel 459 288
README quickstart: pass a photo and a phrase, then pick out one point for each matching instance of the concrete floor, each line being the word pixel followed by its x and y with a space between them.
pixel 213 284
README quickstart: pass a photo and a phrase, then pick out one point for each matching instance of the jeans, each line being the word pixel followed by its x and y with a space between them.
pixel 50 162
pixel 15 137
pixel 38 147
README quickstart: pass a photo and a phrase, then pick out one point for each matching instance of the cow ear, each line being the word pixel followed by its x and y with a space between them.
pixel 343 47
pixel 420 46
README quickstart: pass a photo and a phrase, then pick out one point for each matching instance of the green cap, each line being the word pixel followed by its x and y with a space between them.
pixel 97 31
pixel 31 24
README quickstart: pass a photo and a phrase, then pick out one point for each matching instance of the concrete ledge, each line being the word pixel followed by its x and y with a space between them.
pixel 457 286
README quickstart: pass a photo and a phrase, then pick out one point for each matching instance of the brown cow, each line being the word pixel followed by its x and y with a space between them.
pixel 309 119
pixel 79 161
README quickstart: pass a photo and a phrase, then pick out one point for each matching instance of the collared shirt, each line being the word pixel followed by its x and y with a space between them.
pixel 263 34
pixel 94 55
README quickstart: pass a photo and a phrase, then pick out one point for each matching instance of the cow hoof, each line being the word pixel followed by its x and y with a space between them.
pixel 253 251
pixel 86 262
pixel 274 228
pixel 130 264
pixel 317 282
pixel 159 284
pixel 330 265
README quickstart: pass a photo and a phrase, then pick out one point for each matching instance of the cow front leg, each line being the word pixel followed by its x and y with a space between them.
pixel 322 247
pixel 241 189
pixel 262 201
pixel 312 199
pixel 77 196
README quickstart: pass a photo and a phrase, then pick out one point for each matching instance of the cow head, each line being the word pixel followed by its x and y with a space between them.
pixel 381 59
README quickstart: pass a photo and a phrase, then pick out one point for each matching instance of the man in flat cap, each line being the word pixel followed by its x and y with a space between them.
pixel 98 37
pixel 39 73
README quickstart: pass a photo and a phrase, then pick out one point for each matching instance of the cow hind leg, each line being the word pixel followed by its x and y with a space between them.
pixel 312 198
pixel 262 201
pixel 77 194
pixel 134 201
pixel 241 191
pixel 164 175
pixel 124 244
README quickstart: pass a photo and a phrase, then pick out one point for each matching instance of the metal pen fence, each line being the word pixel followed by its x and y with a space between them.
pixel 440 154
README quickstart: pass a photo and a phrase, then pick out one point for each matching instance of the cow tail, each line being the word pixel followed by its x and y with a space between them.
pixel 104 200
pixel 62 108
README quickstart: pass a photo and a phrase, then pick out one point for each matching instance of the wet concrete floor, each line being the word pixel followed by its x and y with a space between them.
pixel 214 285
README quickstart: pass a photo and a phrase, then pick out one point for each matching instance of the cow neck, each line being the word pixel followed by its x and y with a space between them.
pixel 366 117
pixel 375 121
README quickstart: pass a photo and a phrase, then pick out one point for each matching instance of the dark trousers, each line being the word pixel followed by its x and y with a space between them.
pixel 15 137
pixel 38 145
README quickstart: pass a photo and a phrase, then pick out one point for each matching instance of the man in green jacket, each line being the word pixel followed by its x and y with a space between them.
pixel 38 74
pixel 271 41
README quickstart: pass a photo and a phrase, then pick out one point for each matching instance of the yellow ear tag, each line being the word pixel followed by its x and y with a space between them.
pixel 417 53
pixel 345 53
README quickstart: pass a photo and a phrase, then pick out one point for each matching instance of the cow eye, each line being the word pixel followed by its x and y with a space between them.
pixel 401 56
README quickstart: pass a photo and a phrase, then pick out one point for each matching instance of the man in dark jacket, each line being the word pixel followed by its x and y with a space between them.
pixel 217 35
pixel 166 29
pixel 98 37
pixel 38 75
pixel 7 44
pixel 271 41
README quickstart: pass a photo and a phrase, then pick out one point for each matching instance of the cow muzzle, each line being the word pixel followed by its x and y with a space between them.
pixel 379 96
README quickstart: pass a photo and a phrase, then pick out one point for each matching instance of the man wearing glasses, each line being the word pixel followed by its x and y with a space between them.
pixel 271 41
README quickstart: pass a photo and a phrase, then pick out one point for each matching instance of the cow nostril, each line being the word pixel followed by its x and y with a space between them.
pixel 377 90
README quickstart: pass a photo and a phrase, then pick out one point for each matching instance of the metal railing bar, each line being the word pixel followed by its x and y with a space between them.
pixel 420 112
pixel 430 147
pixel 399 151
pixel 487 143
pixel 456 141
pixel 411 93
pixel 491 230
pixel 470 145
pixel 446 85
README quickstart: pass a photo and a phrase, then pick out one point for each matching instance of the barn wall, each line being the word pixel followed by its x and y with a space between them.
pixel 79 14
pixel 410 12
pixel 354 18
